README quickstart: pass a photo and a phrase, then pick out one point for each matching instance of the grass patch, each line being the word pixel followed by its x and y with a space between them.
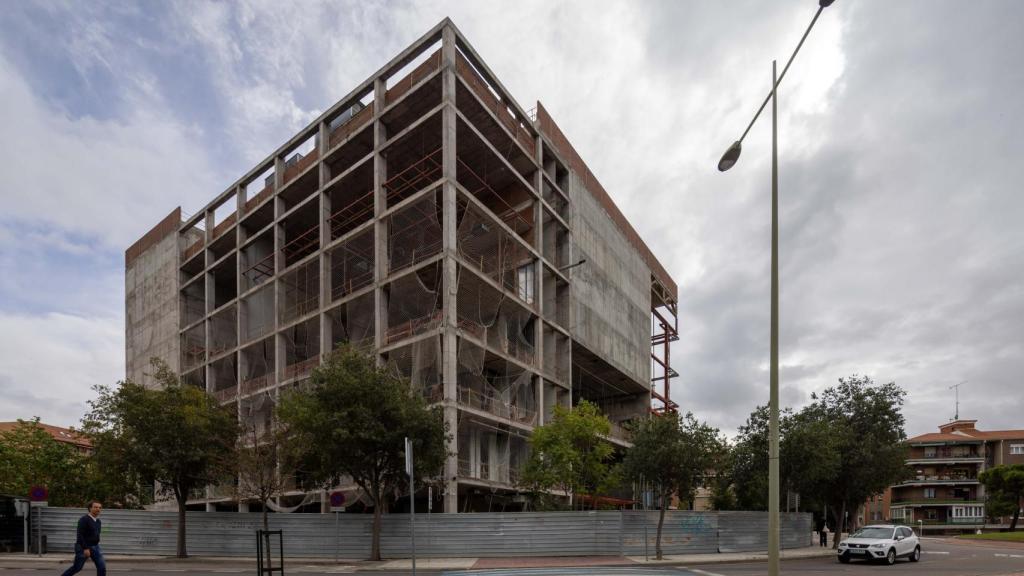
pixel 1001 536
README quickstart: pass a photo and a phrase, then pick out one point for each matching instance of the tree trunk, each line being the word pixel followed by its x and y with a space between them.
pixel 1016 516
pixel 836 520
pixel 842 525
pixel 375 541
pixel 181 550
pixel 266 537
pixel 661 522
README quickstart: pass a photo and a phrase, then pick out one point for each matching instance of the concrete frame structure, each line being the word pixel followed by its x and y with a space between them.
pixel 430 219
pixel 942 492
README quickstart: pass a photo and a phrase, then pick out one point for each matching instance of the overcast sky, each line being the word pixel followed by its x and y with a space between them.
pixel 901 169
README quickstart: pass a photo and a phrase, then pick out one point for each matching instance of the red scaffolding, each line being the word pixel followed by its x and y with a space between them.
pixel 664 331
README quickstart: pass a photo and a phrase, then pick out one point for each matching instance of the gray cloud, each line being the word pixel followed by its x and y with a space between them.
pixel 901 245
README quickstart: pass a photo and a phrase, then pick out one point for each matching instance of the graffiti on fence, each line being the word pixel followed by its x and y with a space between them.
pixel 696 525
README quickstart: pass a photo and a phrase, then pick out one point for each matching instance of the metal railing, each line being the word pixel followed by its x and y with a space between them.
pixel 497 406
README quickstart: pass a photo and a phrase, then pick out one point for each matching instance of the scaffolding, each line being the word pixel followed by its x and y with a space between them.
pixel 664 331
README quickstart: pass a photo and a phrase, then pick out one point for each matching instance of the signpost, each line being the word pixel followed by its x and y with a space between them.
pixel 412 499
pixel 337 505
pixel 37 496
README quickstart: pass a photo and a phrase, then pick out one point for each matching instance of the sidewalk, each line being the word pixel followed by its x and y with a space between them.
pixel 197 563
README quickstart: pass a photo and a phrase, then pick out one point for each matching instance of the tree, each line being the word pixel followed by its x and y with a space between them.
pixel 354 419
pixel 266 459
pixel 570 455
pixel 723 496
pixel 842 448
pixel 30 456
pixel 1005 487
pixel 672 454
pixel 749 460
pixel 175 436
pixel 865 442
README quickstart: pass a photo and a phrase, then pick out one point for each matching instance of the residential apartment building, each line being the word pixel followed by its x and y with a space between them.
pixel 66 436
pixel 942 490
pixel 430 219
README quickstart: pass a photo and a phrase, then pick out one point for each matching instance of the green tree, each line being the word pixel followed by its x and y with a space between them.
pixel 570 455
pixel 723 495
pixel 865 447
pixel 673 454
pixel 749 460
pixel 1004 485
pixel 354 419
pixel 30 456
pixel 842 448
pixel 175 436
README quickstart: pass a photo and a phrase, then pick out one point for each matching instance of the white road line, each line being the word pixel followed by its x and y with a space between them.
pixel 933 552
pixel 705 572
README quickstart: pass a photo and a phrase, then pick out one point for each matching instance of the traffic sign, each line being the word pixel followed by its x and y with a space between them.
pixel 38 494
pixel 337 501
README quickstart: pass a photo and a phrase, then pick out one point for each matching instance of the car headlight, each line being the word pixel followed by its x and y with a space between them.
pixel 881 545
pixel 842 544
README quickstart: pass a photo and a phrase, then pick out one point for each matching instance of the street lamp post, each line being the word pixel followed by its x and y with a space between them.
pixel 727 161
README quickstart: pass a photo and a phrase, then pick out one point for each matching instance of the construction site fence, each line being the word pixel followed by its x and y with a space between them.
pixel 588 533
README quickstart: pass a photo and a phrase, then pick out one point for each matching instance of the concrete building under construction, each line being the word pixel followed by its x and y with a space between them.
pixel 430 219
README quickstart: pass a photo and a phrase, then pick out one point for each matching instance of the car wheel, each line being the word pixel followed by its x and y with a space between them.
pixel 916 555
pixel 844 558
pixel 890 558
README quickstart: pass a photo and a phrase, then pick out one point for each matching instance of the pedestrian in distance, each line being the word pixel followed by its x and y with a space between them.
pixel 823 536
pixel 87 542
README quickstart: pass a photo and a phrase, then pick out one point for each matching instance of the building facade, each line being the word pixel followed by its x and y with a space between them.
pixel 429 219
pixel 942 491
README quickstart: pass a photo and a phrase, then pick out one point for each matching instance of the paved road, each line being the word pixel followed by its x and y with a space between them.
pixel 940 558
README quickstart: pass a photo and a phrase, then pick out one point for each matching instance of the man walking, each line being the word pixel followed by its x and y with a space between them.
pixel 87 543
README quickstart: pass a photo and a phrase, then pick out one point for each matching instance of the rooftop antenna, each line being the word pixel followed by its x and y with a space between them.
pixel 956 388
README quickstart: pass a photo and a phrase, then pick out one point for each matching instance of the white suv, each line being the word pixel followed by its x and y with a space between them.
pixel 881 542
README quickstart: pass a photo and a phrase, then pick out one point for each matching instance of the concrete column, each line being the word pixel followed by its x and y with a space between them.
pixel 325 238
pixel 279 241
pixel 493 460
pixel 380 227
pixel 449 340
pixel 538 243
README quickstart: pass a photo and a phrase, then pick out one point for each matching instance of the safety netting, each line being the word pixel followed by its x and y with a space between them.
pixel 414 231
pixel 353 322
pixel 352 264
pixel 414 303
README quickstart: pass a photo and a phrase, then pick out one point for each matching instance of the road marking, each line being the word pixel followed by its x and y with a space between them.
pixel 933 552
pixel 705 572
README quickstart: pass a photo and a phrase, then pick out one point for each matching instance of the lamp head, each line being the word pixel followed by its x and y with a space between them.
pixel 825 3
pixel 730 157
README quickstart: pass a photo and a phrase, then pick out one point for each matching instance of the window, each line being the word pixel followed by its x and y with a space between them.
pixel 929 452
pixel 1017 449
pixel 525 282
pixel 929 492
pixel 968 511
pixel 906 532
pixel 898 513
pixel 929 514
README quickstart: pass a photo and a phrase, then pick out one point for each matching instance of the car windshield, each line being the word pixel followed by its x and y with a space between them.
pixel 875 533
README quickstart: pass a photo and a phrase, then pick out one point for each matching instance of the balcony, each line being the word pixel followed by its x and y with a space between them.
pixel 496 406
pixel 938 480
pixel 490 472
pixel 936 502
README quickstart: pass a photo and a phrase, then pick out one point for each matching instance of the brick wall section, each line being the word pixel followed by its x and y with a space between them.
pixel 554 133
pixel 166 226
